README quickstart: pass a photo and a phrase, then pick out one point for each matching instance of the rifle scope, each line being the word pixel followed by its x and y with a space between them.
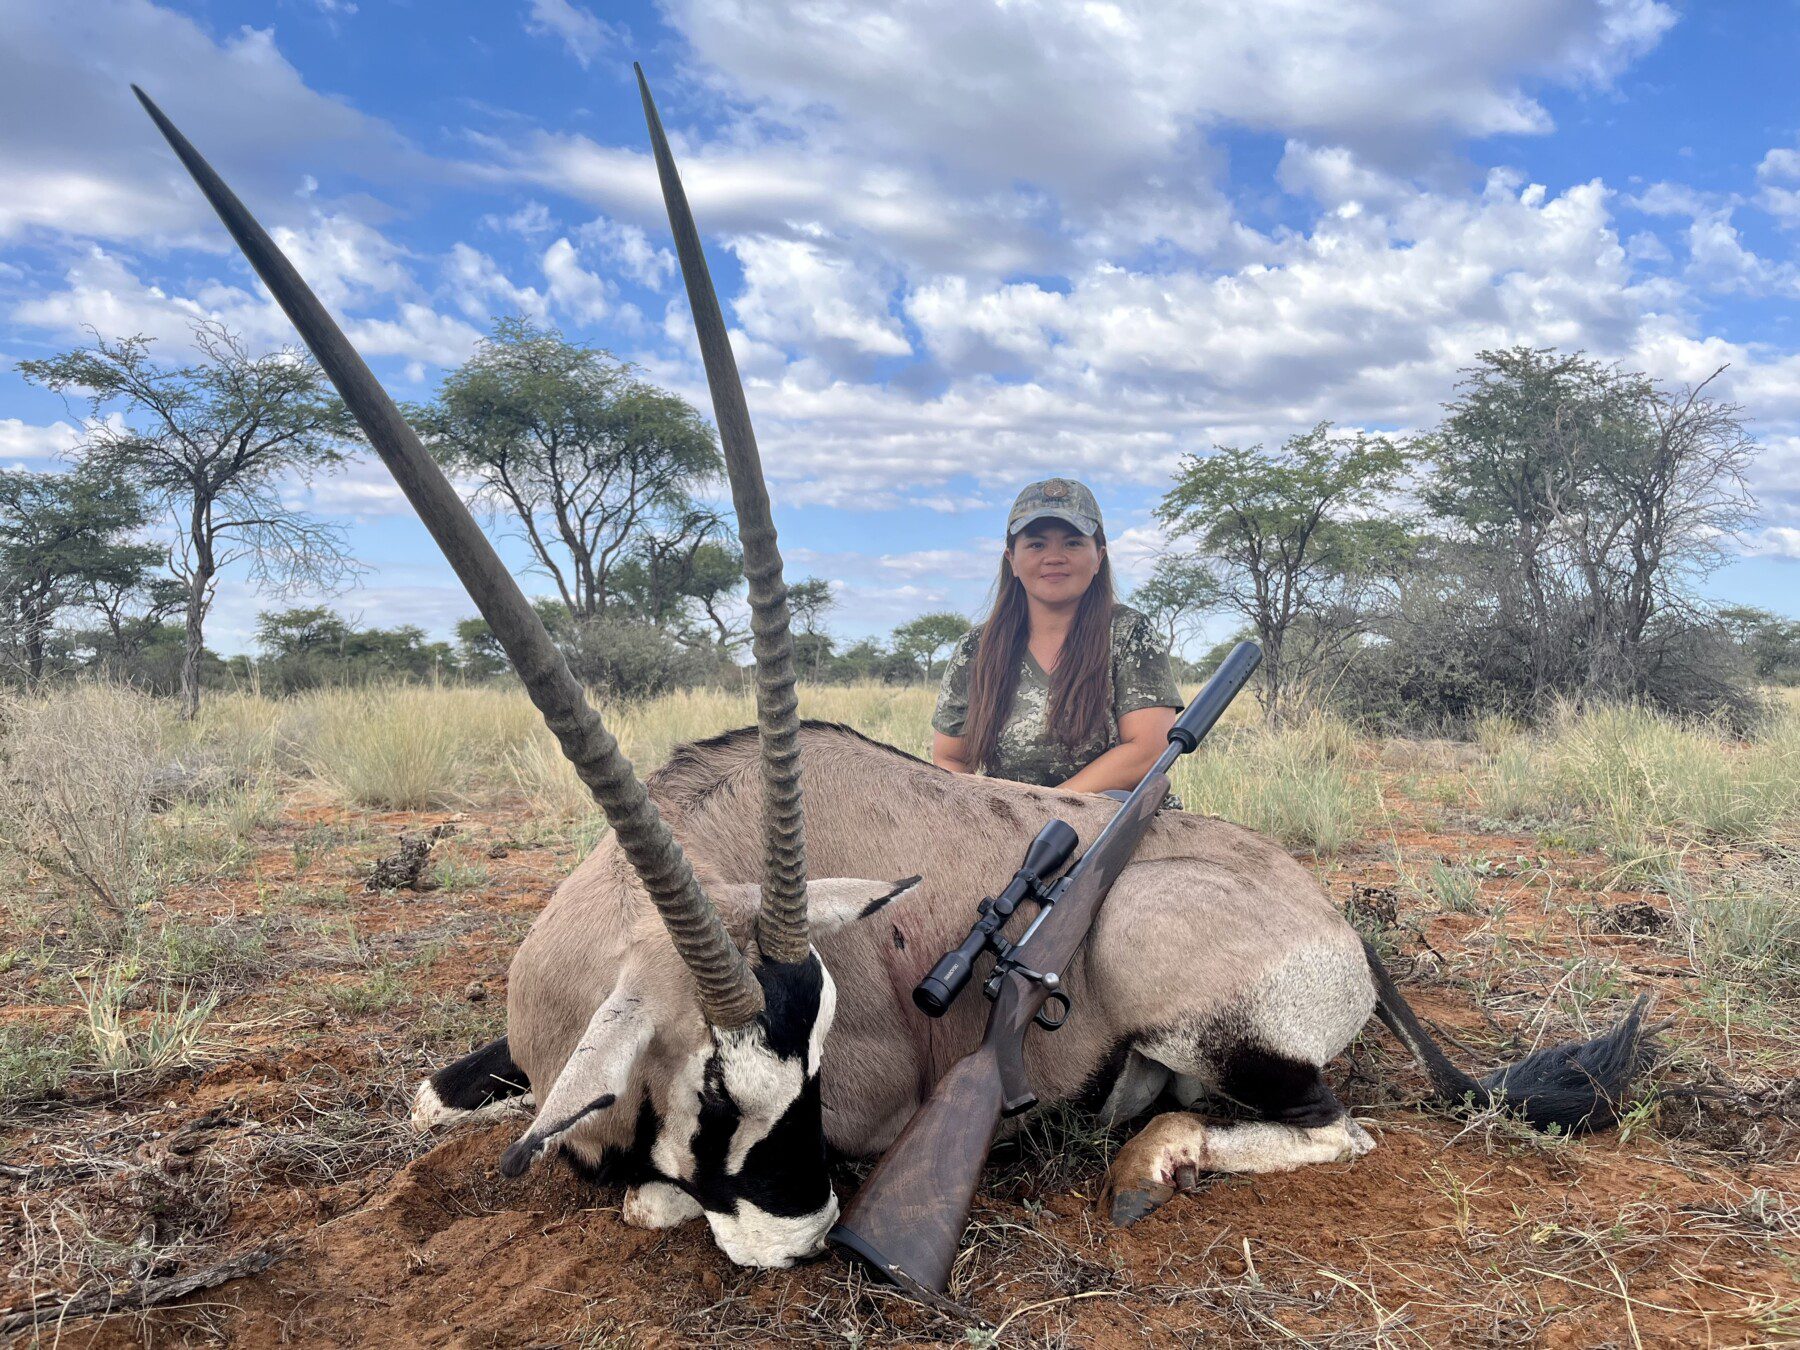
pixel 1044 858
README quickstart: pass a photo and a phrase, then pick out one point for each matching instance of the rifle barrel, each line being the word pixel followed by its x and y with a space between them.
pixel 1215 696
pixel 1196 720
pixel 907 1220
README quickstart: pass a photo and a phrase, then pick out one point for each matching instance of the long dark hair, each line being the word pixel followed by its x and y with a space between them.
pixel 1079 686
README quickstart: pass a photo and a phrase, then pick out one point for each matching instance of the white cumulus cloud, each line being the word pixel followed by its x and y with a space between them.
pixel 79 156
pixel 23 445
pixel 802 294
pixel 572 289
pixel 582 35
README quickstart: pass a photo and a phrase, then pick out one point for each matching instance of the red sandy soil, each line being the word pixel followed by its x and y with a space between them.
pixel 1451 1233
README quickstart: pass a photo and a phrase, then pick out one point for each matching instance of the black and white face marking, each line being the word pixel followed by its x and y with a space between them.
pixel 741 1127
pixel 757 1149
pixel 743 1134
pixel 755 1144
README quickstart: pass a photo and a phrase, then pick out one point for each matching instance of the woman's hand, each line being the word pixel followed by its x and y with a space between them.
pixel 1143 735
pixel 950 752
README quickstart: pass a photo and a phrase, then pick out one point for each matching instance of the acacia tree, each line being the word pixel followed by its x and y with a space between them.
pixel 1769 642
pixel 131 613
pixel 1645 508
pixel 1292 540
pixel 809 600
pixel 1492 458
pixel 592 462
pixel 921 639
pixel 214 444
pixel 479 652
pixel 1176 597
pixel 312 646
pixel 1606 496
pixel 64 538
pixel 290 633
pixel 680 582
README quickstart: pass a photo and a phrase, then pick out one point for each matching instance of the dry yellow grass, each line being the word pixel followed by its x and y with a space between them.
pixel 416 747
pixel 1302 783
pixel 1642 784
pixel 79 775
pixel 1645 784
pixel 421 746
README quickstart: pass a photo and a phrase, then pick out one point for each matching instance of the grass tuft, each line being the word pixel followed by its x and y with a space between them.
pixel 1743 923
pixel 402 749
pixel 164 1036
pixel 1642 783
pixel 1301 783
pixel 81 777
pixel 34 1063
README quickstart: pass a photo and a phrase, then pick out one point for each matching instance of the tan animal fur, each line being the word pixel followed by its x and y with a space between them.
pixel 1212 935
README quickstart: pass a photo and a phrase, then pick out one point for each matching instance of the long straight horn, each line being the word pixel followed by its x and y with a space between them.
pixel 729 994
pixel 781 921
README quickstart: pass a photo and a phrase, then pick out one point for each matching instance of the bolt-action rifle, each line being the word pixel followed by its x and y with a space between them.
pixel 907 1220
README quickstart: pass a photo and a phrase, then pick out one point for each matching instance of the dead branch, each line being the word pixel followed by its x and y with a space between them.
pixel 136 1295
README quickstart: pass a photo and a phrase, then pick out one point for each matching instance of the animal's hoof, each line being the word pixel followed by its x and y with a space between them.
pixel 656 1204
pixel 1126 1206
pixel 429 1110
pixel 1360 1141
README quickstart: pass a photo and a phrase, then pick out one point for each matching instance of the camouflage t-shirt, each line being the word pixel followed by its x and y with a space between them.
pixel 1138 677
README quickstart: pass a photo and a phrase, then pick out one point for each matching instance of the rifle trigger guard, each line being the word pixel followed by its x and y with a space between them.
pixel 1043 1018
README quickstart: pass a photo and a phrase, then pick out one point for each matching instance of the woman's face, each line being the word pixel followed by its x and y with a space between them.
pixel 1054 562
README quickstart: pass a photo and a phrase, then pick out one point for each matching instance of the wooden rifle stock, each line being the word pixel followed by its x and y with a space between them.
pixel 906 1221
pixel 908 1218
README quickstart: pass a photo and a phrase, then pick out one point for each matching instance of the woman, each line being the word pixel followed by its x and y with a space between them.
pixel 1061 685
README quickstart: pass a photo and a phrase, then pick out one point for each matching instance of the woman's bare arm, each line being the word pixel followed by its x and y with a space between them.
pixel 1143 735
pixel 950 752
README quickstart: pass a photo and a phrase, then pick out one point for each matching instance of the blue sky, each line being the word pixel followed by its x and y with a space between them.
pixel 963 244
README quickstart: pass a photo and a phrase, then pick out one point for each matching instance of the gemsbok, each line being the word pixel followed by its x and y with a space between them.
pixel 714 996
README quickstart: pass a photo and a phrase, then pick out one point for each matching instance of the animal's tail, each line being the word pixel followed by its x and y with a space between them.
pixel 1575 1087
pixel 478 1079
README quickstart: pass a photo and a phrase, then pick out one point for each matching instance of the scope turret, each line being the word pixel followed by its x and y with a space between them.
pixel 1046 855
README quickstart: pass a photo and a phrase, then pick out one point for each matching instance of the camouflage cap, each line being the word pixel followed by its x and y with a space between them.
pixel 1056 499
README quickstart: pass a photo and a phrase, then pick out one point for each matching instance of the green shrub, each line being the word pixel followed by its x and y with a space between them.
pixel 626 659
pixel 34 1063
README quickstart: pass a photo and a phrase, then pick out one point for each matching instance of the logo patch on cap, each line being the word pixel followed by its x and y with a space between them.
pixel 1056 490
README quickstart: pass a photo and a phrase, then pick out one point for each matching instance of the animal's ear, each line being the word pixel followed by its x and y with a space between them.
pixel 837 901
pixel 593 1078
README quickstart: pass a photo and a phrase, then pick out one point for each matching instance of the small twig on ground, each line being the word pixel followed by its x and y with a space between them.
pixel 1017 1313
